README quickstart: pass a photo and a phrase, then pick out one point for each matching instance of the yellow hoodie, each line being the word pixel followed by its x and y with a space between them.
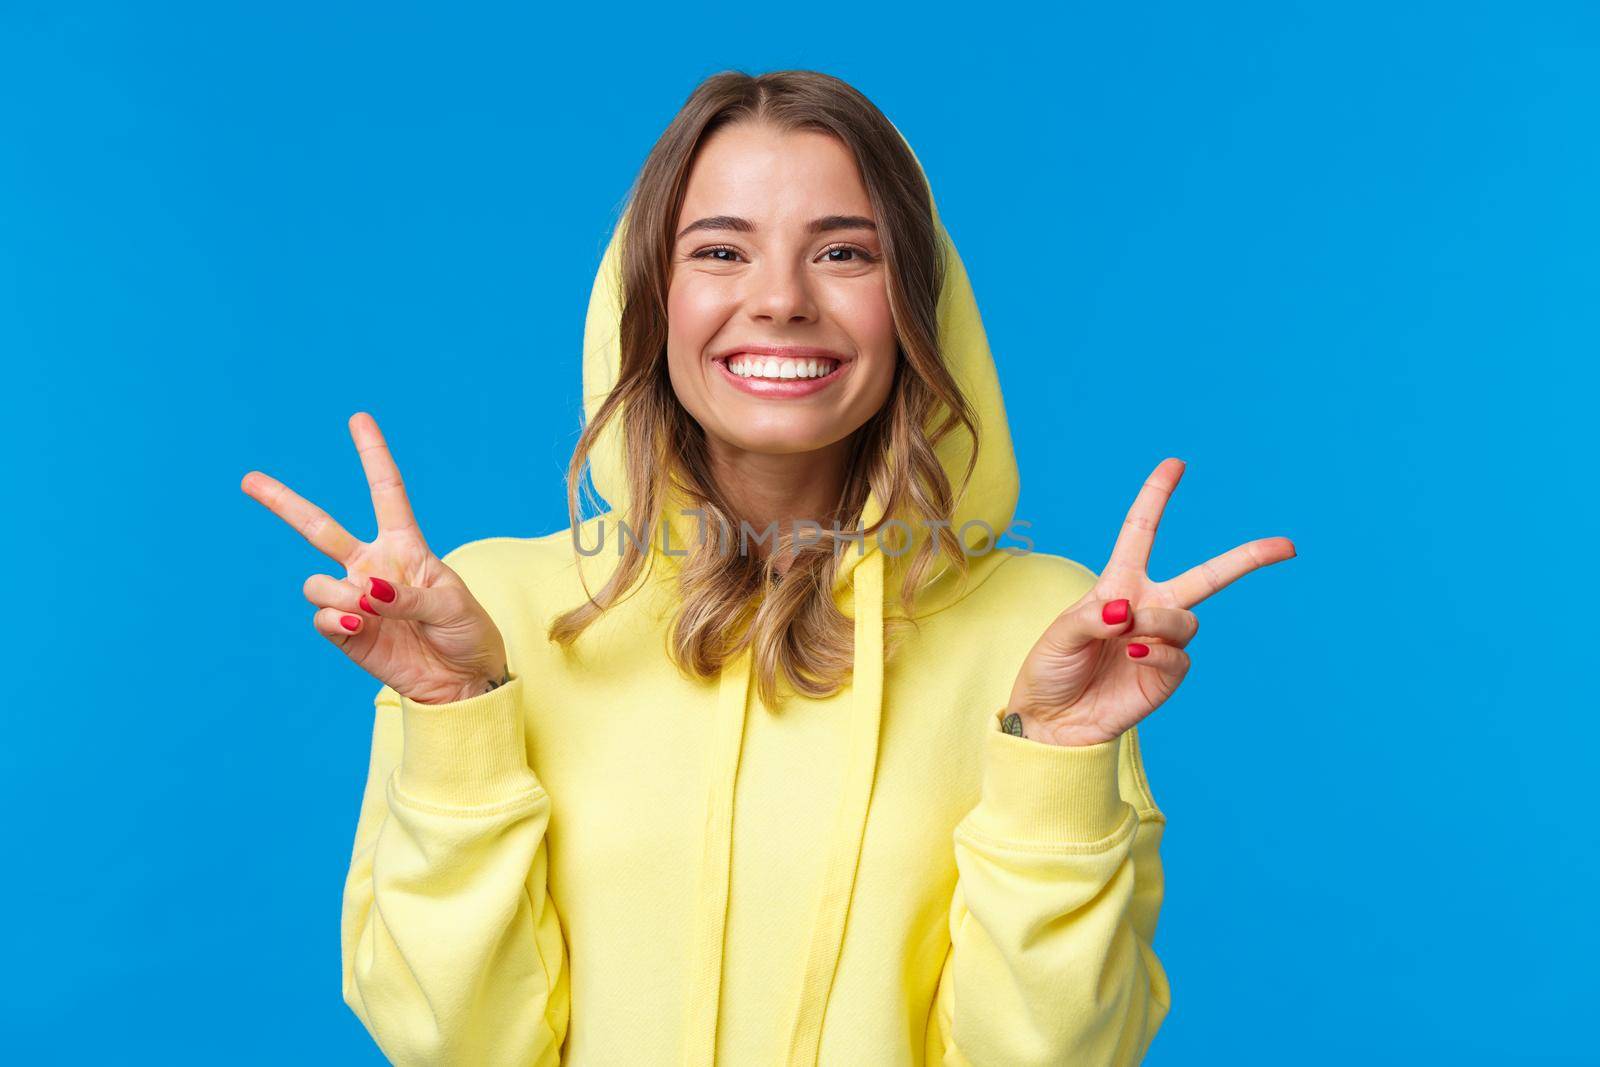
pixel 606 862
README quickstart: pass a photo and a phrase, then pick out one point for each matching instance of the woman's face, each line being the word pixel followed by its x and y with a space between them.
pixel 779 334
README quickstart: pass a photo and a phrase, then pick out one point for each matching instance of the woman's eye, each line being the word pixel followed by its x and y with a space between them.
pixel 850 250
pixel 837 254
pixel 706 253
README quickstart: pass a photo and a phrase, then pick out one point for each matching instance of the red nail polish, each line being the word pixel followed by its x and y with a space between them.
pixel 366 605
pixel 1138 651
pixel 1115 612
pixel 350 622
pixel 383 590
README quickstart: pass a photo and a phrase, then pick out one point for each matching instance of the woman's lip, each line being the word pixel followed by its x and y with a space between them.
pixel 783 388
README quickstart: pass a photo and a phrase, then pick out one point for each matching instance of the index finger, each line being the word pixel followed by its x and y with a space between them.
pixel 312 523
pixel 389 501
pixel 1132 550
pixel 1199 582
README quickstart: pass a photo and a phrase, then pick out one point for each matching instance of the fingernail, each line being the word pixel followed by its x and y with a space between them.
pixel 1138 651
pixel 366 605
pixel 383 590
pixel 1115 612
pixel 350 622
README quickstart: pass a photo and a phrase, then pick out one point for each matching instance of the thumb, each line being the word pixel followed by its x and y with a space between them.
pixel 393 600
pixel 1090 621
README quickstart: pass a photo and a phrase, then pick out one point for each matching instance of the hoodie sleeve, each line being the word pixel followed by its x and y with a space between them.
pixel 452 948
pixel 1051 923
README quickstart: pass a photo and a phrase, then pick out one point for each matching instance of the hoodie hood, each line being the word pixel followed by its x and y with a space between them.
pixel 866 587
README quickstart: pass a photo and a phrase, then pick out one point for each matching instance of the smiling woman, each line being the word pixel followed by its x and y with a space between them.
pixel 780 262
pixel 800 234
pixel 659 808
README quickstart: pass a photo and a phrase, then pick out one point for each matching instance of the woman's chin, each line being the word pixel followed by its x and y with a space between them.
pixel 780 436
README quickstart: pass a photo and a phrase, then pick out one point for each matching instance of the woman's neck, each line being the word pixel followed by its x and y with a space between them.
pixel 775 491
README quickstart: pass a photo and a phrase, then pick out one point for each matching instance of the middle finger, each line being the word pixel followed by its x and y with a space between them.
pixel 1132 549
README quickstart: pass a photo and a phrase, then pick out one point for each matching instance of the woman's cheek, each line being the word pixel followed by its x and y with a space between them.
pixel 696 308
pixel 861 306
pixel 864 313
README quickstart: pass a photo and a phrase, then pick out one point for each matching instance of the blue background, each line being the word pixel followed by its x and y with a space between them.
pixel 1341 260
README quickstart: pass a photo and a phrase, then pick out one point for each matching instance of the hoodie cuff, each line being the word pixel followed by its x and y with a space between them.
pixel 466 753
pixel 1038 793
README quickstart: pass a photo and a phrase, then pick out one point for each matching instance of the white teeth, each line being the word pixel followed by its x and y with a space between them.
pixel 773 367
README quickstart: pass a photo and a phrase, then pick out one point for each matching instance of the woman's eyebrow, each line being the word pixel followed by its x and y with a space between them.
pixel 739 225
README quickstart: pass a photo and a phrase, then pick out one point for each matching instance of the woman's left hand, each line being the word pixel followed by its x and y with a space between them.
pixel 1118 653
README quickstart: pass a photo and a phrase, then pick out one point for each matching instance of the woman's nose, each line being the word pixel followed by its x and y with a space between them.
pixel 781 292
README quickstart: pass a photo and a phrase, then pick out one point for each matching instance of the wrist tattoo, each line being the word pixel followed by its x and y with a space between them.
pixel 492 685
pixel 1012 724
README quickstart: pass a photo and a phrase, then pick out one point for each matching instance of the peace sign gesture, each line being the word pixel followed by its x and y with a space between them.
pixel 405 617
pixel 1118 653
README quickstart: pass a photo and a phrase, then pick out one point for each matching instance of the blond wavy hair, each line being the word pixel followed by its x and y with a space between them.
pixel 728 601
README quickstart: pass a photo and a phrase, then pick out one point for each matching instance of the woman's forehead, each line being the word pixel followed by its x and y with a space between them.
pixel 773 179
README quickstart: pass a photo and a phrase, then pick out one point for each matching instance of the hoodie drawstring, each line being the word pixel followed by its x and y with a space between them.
pixel 839 879
pixel 711 898
pixel 844 844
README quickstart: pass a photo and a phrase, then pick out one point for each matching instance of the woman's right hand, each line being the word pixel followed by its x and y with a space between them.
pixel 416 627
